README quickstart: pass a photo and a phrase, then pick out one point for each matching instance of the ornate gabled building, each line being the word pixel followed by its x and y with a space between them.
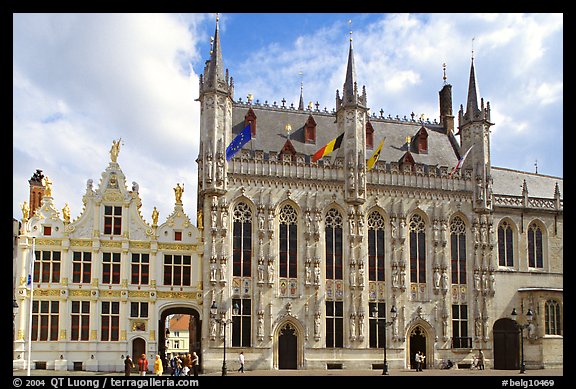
pixel 299 261
pixel 104 283
pixel 304 259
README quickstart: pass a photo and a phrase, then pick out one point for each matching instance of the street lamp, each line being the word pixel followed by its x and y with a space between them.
pixel 393 313
pixel 529 317
pixel 223 321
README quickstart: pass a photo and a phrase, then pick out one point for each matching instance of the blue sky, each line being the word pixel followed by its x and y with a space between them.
pixel 83 80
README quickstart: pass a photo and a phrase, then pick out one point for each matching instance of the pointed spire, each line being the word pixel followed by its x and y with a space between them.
pixel 472 102
pixel 301 103
pixel 215 75
pixel 349 90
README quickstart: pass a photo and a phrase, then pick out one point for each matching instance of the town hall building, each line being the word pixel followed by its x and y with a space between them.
pixel 303 259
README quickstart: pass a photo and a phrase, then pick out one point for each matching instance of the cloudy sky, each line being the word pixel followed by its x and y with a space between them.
pixel 81 81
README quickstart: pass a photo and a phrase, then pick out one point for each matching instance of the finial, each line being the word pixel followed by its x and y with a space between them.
pixel 473 48
pixel 217 18
pixel 288 129
pixel 444 71
pixel 350 24
pixel 536 166
pixel 250 97
pixel 211 44
pixel 408 139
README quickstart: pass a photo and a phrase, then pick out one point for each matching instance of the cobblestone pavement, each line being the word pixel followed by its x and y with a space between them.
pixel 351 373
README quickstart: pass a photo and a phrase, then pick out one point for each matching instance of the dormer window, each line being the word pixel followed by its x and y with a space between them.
pixel 251 118
pixel 112 220
pixel 310 130
pixel 421 141
pixel 369 136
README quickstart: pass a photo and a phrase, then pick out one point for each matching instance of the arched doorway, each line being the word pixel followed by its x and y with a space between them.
pixel 138 348
pixel 417 343
pixel 194 332
pixel 506 345
pixel 288 347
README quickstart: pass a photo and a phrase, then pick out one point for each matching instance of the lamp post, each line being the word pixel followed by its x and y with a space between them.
pixel 393 313
pixel 14 312
pixel 223 321
pixel 529 317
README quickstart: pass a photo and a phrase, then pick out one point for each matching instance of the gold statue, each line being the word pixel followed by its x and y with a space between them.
pixel 199 221
pixel 66 213
pixel 47 187
pixel 115 150
pixel 25 210
pixel 155 217
pixel 178 191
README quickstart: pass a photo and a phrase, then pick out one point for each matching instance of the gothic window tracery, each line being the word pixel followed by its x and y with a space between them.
pixel 458 250
pixel 376 229
pixel 535 251
pixel 417 249
pixel 288 220
pixel 242 241
pixel 552 318
pixel 334 245
pixel 505 244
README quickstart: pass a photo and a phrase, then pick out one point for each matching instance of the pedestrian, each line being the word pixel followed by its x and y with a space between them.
pixel 158 368
pixel 143 365
pixel 187 362
pixel 128 365
pixel 480 360
pixel 241 360
pixel 417 360
pixel 422 360
pixel 195 363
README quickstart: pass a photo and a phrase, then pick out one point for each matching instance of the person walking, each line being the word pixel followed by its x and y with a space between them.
pixel 128 365
pixel 480 360
pixel 417 360
pixel 241 360
pixel 195 363
pixel 158 367
pixel 143 365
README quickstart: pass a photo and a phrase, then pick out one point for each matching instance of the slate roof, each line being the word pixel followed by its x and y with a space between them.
pixel 271 136
pixel 509 182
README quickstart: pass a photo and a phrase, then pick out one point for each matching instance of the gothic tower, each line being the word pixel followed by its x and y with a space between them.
pixel 474 125
pixel 351 112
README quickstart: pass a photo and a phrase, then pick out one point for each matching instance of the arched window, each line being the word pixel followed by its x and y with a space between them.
pixel 242 241
pixel 505 245
pixel 535 251
pixel 552 325
pixel 458 250
pixel 334 245
pixel 417 249
pixel 375 247
pixel 288 242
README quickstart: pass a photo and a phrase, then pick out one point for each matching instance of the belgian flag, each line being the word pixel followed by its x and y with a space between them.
pixel 334 144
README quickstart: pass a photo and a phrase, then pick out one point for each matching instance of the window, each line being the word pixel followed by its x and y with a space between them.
pixel 110 321
pixel 177 270
pixel 176 344
pixel 139 310
pixel 535 259
pixel 334 324
pixel 333 238
pixel 47 231
pixel 242 241
pixel 417 249
pixel 47 266
pixel 460 338
pixel 111 268
pixel 44 320
pixel 376 247
pixel 505 245
pixel 80 320
pixel 112 220
pixel 140 269
pixel 310 130
pixel 178 235
pixel 377 336
pixel 81 267
pixel 241 323
pixel 251 118
pixel 552 318
pixel 288 242
pixel 458 250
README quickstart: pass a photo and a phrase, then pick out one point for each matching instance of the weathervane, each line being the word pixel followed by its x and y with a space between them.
pixel 473 48
pixel 444 71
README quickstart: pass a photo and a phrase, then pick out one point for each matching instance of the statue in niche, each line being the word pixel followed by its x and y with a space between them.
pixel 317 325
pixel 360 274
pixel 360 224
pixel 213 270
pixel 261 220
pixel 436 278
pixel 395 277
pixel 479 190
pixel 270 271
pixel 214 218
pixel 351 182
pixel 261 270
pixel 402 277
pixel 271 220
pixel 224 218
pixel 352 326
pixel 308 222
pixel 478 327
pixel 223 270
pixel 352 224
pixel 352 276
pixel 208 168
pixel 492 282
pixel 317 274
pixel 477 280
pixel 361 325
pixel 444 281
pixel 485 281
pixel 260 328
pixel 219 168
pixel 308 279
pixel 213 325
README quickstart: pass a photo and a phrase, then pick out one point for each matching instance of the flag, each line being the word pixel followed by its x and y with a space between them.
pixel 460 161
pixel 31 270
pixel 374 158
pixel 330 147
pixel 241 139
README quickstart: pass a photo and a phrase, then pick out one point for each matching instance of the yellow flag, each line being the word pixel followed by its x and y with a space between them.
pixel 374 158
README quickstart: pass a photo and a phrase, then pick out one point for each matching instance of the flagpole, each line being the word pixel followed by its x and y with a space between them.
pixel 32 258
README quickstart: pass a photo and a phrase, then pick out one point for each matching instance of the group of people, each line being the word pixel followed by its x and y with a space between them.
pixel 419 359
pixel 181 365
pixel 185 364
pixel 478 362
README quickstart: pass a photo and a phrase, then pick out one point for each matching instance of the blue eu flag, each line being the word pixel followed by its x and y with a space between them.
pixel 241 139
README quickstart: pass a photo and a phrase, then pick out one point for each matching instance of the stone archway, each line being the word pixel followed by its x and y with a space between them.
pixel 194 331
pixel 506 345
pixel 138 348
pixel 288 346
pixel 420 337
